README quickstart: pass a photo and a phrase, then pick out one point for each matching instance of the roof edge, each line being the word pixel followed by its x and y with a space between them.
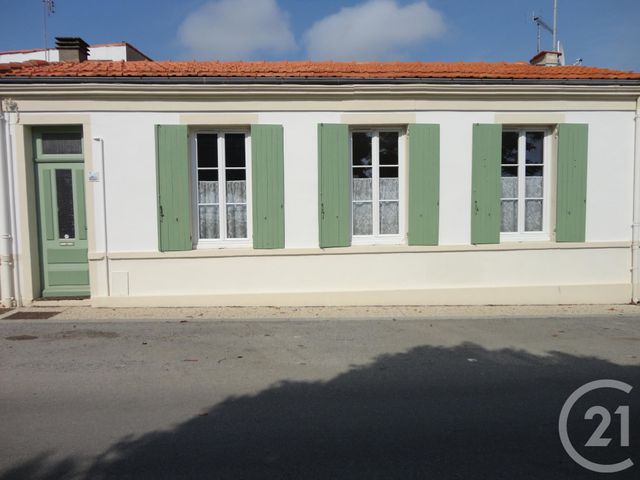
pixel 317 81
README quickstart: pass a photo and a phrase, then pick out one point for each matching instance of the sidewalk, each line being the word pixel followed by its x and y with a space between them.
pixel 89 314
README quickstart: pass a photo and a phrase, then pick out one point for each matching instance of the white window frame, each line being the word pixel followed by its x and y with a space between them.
pixel 221 242
pixel 380 239
pixel 521 235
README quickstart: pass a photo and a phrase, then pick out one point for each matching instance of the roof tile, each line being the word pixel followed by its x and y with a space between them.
pixel 307 69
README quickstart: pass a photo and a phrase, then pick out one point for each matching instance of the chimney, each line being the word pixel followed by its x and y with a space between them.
pixel 546 58
pixel 72 49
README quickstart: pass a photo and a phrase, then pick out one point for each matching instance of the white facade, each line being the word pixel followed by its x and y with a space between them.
pixel 119 133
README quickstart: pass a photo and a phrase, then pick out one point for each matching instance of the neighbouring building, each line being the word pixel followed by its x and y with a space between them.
pixel 318 183
pixel 103 51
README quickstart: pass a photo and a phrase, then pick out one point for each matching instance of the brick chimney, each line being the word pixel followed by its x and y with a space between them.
pixel 546 58
pixel 72 49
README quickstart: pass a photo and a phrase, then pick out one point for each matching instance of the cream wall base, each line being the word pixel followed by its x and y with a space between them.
pixel 527 295
pixel 502 274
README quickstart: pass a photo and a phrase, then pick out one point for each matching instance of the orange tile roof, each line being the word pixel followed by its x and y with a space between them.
pixel 307 69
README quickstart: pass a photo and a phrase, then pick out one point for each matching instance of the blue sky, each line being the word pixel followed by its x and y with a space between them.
pixel 602 32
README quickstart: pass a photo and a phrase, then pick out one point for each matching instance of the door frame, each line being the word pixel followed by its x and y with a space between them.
pixel 68 160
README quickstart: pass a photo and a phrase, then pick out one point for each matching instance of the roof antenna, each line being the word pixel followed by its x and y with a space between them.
pixel 48 9
pixel 539 21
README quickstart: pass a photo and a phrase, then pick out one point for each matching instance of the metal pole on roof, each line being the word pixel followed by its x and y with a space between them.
pixel 555 25
pixel 48 7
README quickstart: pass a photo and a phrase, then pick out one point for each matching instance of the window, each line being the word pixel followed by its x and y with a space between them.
pixel 525 176
pixel 222 193
pixel 376 187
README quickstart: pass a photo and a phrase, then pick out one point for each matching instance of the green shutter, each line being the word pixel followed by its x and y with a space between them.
pixel 485 180
pixel 267 174
pixel 424 184
pixel 333 183
pixel 572 182
pixel 174 199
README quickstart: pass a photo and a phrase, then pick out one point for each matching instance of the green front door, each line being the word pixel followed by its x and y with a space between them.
pixel 62 225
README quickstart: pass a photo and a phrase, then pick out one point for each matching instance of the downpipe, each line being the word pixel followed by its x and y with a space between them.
pixel 7 296
pixel 635 227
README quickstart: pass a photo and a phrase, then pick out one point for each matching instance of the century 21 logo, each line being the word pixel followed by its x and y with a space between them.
pixel 597 439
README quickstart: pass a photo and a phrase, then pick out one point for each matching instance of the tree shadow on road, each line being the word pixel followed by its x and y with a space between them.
pixel 432 412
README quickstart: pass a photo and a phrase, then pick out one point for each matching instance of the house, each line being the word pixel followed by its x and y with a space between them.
pixel 319 183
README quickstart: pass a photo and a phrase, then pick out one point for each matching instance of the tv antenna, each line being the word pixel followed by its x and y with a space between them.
pixel 540 23
pixel 48 9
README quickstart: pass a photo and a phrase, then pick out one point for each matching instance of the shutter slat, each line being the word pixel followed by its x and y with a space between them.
pixel 485 179
pixel 174 198
pixel 267 174
pixel 571 195
pixel 424 184
pixel 334 191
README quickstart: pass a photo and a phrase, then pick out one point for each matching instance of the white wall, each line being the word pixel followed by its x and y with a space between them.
pixel 130 159
pixel 34 55
pixel 609 174
pixel 108 52
pixel 130 164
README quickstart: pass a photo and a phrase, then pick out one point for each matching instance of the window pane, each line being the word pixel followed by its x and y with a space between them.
pixel 362 219
pixel 236 221
pixel 510 171
pixel 362 189
pixel 361 148
pixel 533 216
pixel 64 196
pixel 62 143
pixel 388 148
pixel 234 150
pixel 533 187
pixel 207 149
pixel 208 221
pixel 534 147
pixel 207 192
pixel 509 187
pixel 534 171
pixel 510 147
pixel 208 175
pixel 233 174
pixel 388 172
pixel 366 172
pixel 389 218
pixel 389 189
pixel 237 191
pixel 509 222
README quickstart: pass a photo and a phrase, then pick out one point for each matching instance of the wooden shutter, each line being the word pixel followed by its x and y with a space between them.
pixel 334 192
pixel 571 187
pixel 424 184
pixel 174 199
pixel 485 179
pixel 267 179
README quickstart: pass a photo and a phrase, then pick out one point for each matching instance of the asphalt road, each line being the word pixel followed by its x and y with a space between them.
pixel 460 398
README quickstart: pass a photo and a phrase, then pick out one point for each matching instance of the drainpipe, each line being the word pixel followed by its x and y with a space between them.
pixel 635 228
pixel 100 140
pixel 6 251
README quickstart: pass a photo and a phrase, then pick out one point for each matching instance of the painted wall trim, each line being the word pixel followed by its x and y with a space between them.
pixel 378 118
pixel 219 119
pixel 177 90
pixel 530 118
pixel 356 250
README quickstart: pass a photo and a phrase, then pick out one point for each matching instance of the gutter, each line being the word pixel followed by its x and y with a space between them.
pixel 314 81
pixel 7 297
pixel 635 227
